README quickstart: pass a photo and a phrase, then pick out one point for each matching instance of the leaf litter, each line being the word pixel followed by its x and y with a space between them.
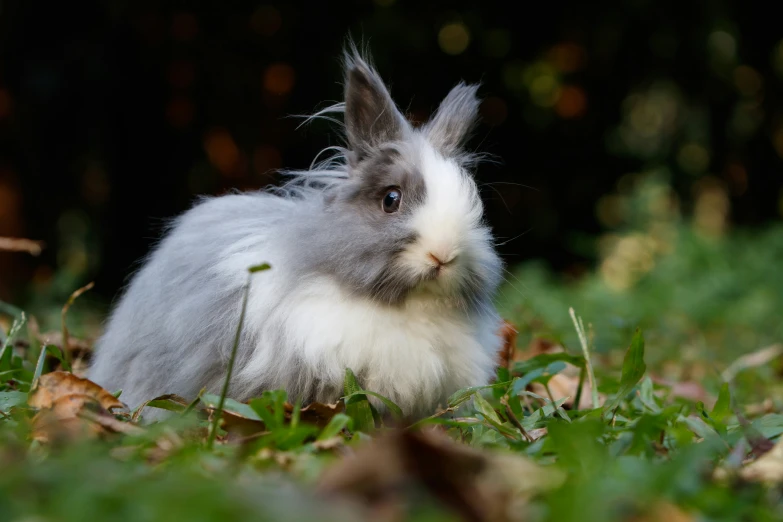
pixel 489 454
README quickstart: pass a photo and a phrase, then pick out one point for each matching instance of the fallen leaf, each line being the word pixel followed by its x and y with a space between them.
pixel 563 385
pixel 61 420
pixel 477 485
pixel 14 244
pixel 316 413
pixel 54 385
pixel 238 426
pixel 508 333
pixel 61 398
pixel 768 468
pixel 538 346
pixel 759 444
pixel 242 423
pixel 536 433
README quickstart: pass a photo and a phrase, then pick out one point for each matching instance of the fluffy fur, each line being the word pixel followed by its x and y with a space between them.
pixel 404 299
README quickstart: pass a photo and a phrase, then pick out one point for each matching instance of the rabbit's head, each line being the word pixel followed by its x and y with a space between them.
pixel 407 219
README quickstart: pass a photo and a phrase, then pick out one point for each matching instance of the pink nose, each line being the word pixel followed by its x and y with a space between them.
pixel 438 261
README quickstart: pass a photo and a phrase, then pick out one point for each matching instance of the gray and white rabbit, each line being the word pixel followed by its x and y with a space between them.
pixel 381 262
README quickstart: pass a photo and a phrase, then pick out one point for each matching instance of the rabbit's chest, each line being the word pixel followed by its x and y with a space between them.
pixel 418 354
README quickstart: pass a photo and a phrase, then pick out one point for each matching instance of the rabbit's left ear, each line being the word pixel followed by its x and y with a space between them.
pixel 450 127
pixel 371 118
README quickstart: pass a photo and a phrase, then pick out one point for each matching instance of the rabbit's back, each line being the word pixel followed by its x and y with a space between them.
pixel 172 329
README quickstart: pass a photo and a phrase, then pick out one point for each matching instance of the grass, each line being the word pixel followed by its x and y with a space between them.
pixel 671 432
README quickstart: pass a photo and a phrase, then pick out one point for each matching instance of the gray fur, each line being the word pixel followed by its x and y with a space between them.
pixel 450 127
pixel 371 117
pixel 172 330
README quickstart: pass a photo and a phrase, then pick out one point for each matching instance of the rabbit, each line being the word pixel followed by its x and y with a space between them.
pixel 381 262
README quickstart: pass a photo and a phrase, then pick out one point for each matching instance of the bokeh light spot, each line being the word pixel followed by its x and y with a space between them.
pixel 279 78
pixel 454 38
pixel 567 57
pixel 545 90
pixel 737 176
pixel 611 210
pixel 693 158
pixel 222 152
pixel 722 45
pixel 747 80
pixel 712 206
pixel 572 102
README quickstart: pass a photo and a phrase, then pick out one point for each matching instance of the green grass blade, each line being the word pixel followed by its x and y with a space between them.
pixel 357 408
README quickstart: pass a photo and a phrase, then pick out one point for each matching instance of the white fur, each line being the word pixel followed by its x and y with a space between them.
pixel 174 327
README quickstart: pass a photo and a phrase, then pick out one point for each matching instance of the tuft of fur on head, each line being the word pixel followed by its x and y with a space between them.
pixel 456 116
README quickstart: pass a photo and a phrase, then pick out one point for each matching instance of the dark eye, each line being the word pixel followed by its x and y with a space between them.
pixel 391 201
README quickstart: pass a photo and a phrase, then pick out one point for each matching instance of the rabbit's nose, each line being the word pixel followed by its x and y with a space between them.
pixel 441 261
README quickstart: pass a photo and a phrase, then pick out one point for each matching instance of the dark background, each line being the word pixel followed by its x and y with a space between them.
pixel 115 114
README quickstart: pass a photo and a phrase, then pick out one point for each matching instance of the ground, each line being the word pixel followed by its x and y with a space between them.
pixel 678 325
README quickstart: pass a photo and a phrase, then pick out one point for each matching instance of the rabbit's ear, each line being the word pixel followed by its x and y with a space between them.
pixel 450 127
pixel 371 118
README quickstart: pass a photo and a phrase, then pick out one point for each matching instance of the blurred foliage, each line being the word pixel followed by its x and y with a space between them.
pixel 114 115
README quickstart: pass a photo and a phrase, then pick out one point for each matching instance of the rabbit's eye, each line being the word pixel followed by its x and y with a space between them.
pixel 391 201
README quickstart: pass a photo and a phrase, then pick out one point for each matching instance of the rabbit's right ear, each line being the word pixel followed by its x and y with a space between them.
pixel 371 118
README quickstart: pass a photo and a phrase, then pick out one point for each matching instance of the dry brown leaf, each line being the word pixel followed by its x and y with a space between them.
pixel 14 244
pixel 481 486
pixel 63 419
pixel 691 390
pixel 536 433
pixel 563 385
pixel 52 386
pixel 316 413
pixel 238 426
pixel 768 468
pixel 538 346
pixel 508 332
pixel 64 400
